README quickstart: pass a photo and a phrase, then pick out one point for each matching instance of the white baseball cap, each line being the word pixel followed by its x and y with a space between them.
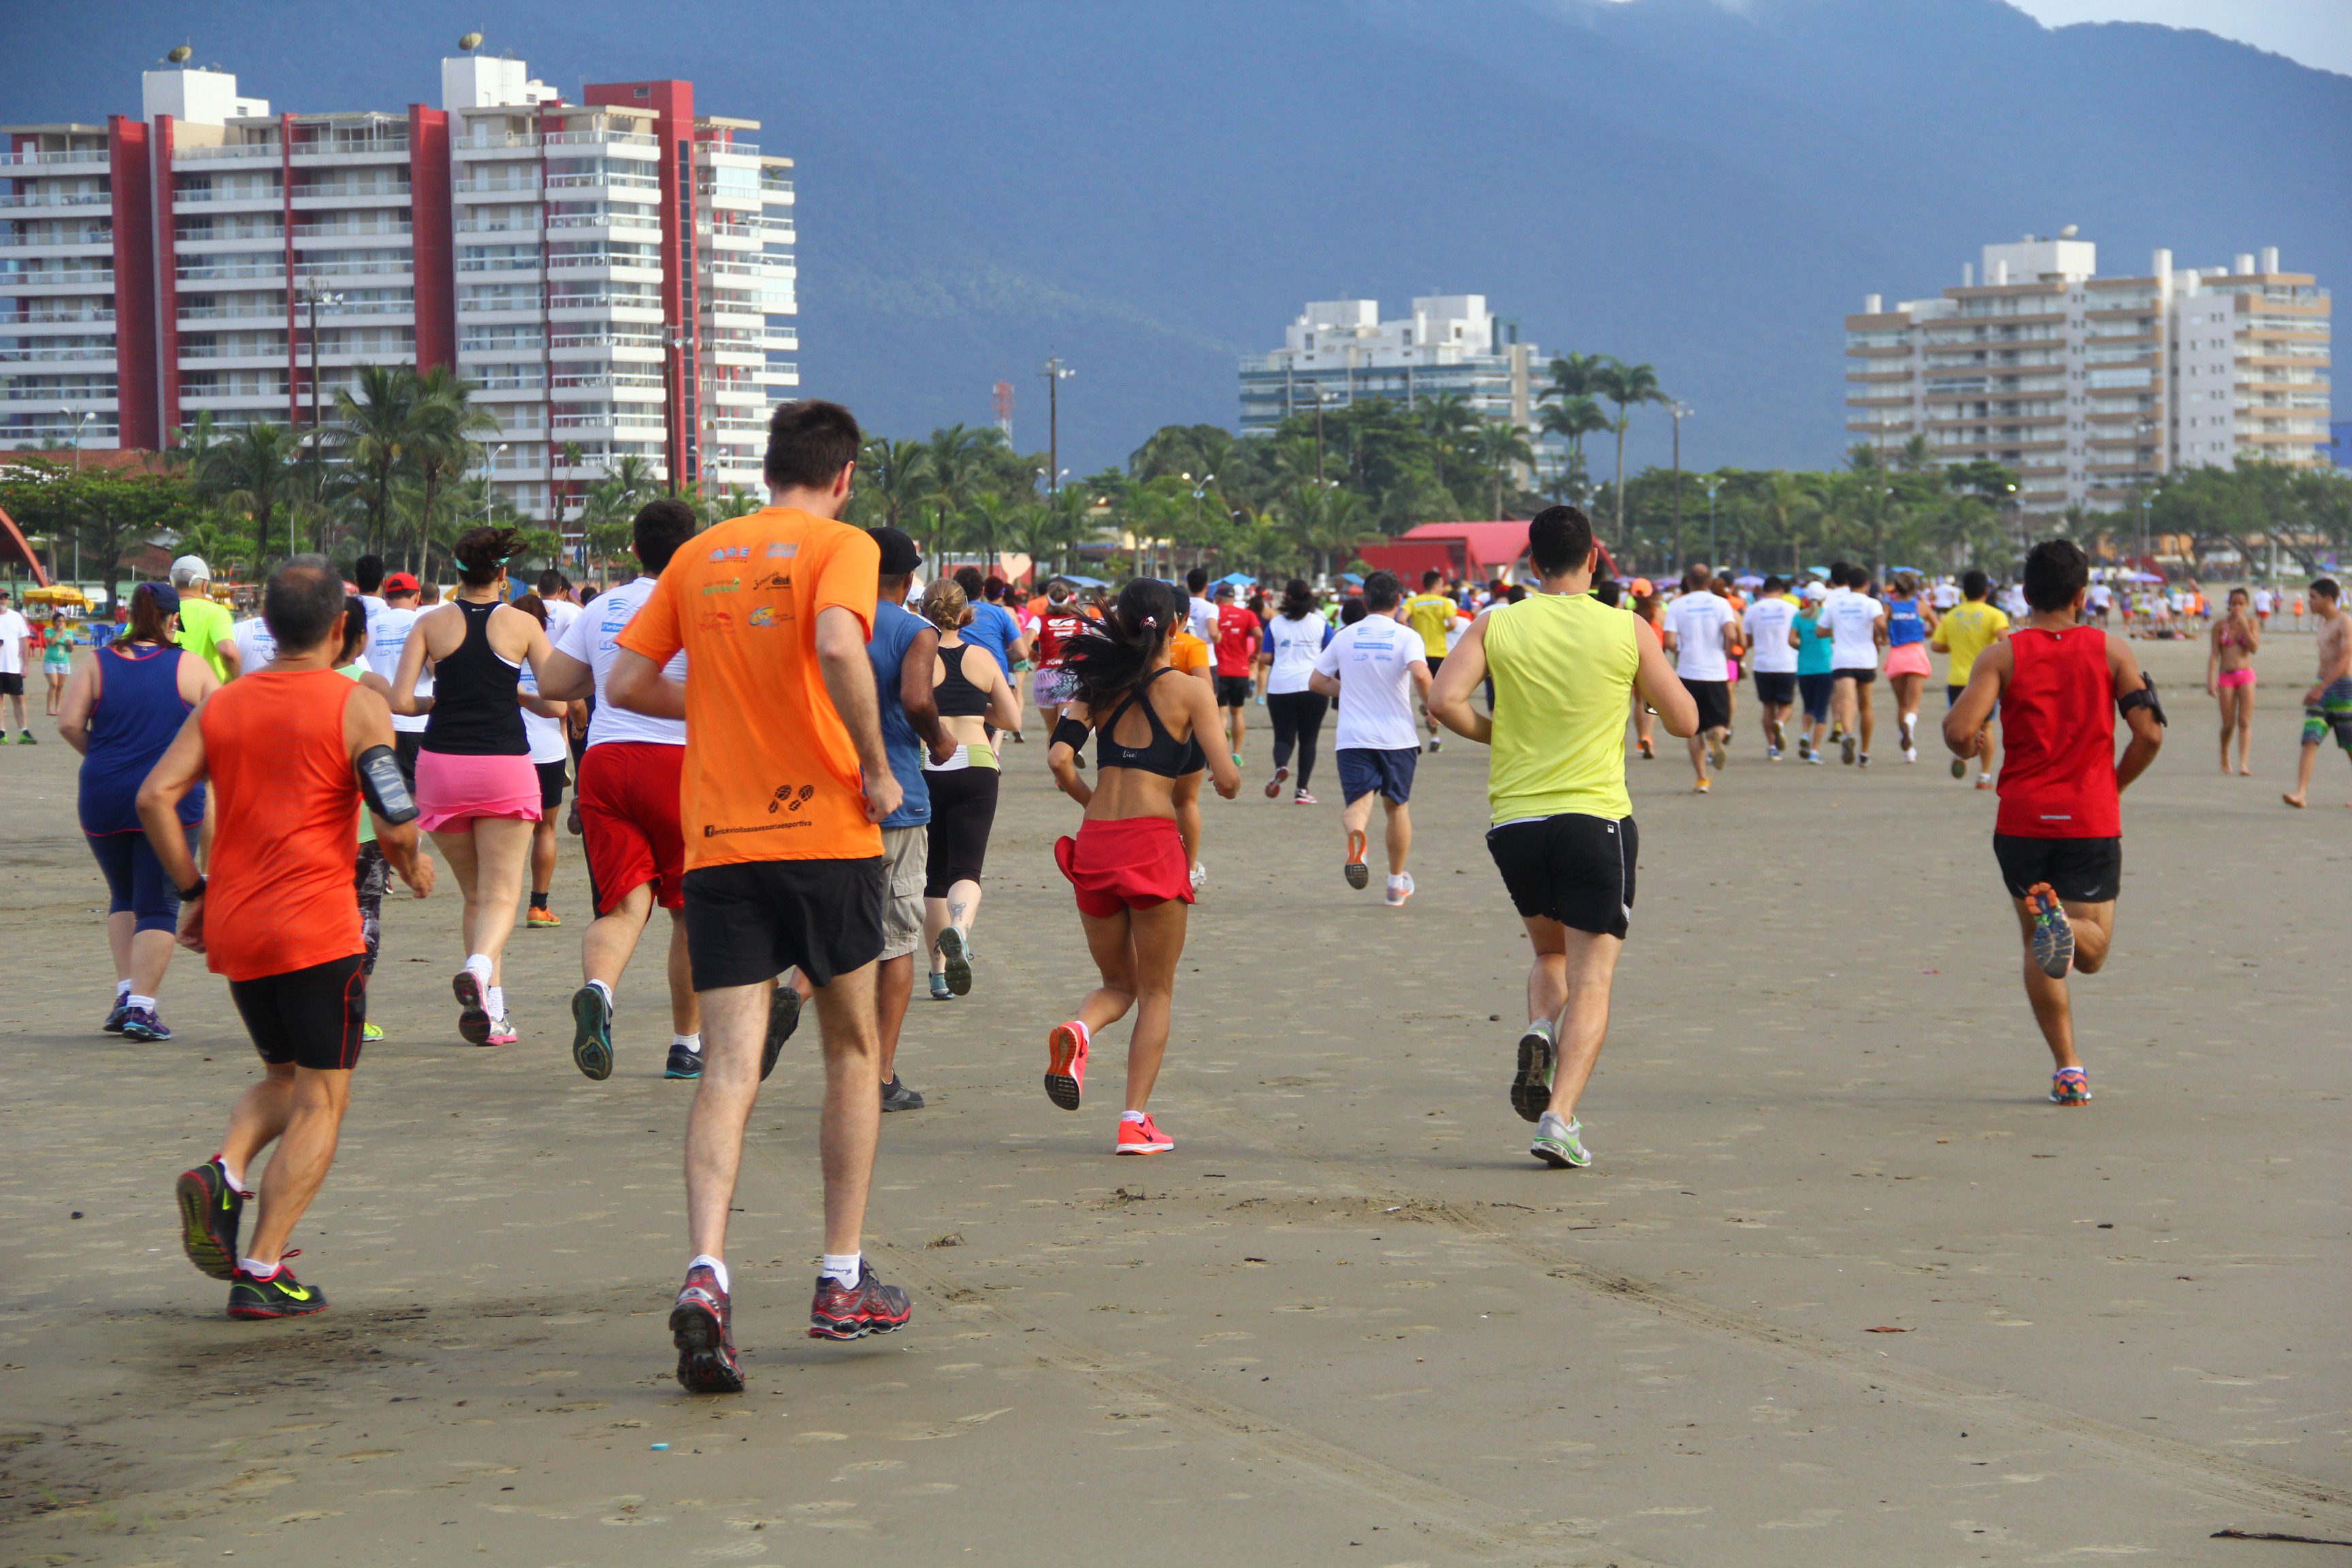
pixel 194 565
pixel 1815 590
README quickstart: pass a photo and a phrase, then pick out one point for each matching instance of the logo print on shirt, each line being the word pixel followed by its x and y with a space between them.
pixel 732 585
pixel 780 551
pixel 765 615
pixel 789 799
pixel 736 552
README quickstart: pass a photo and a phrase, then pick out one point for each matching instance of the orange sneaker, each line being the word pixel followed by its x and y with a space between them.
pixel 1358 875
pixel 1142 1137
pixel 1065 1063
pixel 540 918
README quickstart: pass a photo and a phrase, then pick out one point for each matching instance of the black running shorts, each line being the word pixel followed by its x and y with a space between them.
pixel 1777 686
pixel 1858 674
pixel 552 780
pixel 312 1017
pixel 1713 699
pixel 749 922
pixel 2079 870
pixel 1573 869
pixel 1232 690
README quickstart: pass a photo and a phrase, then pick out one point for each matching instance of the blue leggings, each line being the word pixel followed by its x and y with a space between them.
pixel 134 878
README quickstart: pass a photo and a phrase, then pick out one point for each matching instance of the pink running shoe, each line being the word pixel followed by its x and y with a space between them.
pixel 1065 1063
pixel 1142 1137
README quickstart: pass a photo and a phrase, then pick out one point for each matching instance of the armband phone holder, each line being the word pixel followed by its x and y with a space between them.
pixel 385 791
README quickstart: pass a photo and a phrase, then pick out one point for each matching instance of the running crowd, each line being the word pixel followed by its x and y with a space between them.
pixel 791 743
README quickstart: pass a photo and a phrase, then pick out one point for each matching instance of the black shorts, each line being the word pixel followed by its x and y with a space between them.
pixel 1234 690
pixel 1713 699
pixel 1859 677
pixel 749 922
pixel 405 744
pixel 1777 686
pixel 12 684
pixel 1576 870
pixel 1952 695
pixel 1436 663
pixel 963 810
pixel 312 1017
pixel 2079 870
pixel 552 780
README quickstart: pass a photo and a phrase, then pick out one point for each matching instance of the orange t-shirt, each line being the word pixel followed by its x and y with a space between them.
pixel 1188 653
pixel 771 773
pixel 285 815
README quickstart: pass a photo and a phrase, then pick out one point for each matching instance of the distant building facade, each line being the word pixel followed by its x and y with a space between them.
pixel 2094 388
pixel 1342 353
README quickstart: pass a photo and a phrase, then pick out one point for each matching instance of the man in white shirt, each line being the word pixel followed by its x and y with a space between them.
pixel 387 634
pixel 562 601
pixel 1374 670
pixel 628 799
pixel 1857 627
pixel 1947 595
pixel 1701 632
pixel 254 646
pixel 1202 613
pixel 367 573
pixel 16 636
pixel 1772 659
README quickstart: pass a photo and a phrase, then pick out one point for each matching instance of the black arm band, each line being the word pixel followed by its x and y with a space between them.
pixel 386 792
pixel 2144 698
pixel 1071 733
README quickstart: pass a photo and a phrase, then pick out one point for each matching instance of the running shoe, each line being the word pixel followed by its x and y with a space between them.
pixel 1274 785
pixel 25 738
pixel 541 918
pixel 684 1062
pixel 1303 798
pixel 279 1296
pixel 897 1096
pixel 958 961
pixel 592 1034
pixel 1984 781
pixel 1837 733
pixel 2070 1085
pixel 1358 875
pixel 839 1311
pixel 783 1017
pixel 1142 1137
pixel 1200 875
pixel 571 821
pixel 1805 748
pixel 940 992
pixel 114 1017
pixel 1910 753
pixel 2053 934
pixel 1065 1063
pixel 1437 743
pixel 502 1032
pixel 1815 758
pixel 473 1019
pixel 1848 748
pixel 1561 1144
pixel 1960 767
pixel 371 1033
pixel 1772 753
pixel 1538 1060
pixel 1862 761
pixel 1702 787
pixel 1718 752
pixel 143 1024
pixel 701 1325
pixel 210 1213
pixel 1647 750
pixel 1400 888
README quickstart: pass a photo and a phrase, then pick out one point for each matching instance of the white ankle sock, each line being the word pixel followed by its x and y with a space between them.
pixel 235 1179
pixel 691 1042
pixel 479 963
pixel 259 1270
pixel 144 1004
pixel 704 1260
pixel 494 1000
pixel 121 989
pixel 843 1266
pixel 1133 1115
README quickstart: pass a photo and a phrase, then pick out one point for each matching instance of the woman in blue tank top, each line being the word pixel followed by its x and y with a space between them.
pixel 1909 619
pixel 120 711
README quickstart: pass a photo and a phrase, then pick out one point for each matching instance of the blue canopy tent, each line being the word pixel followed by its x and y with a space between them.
pixel 1239 579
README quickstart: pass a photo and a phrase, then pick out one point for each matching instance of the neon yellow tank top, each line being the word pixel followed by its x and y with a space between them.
pixel 1563 665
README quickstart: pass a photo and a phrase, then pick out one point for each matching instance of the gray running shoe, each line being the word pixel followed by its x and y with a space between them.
pixel 1560 1143
pixel 1539 1060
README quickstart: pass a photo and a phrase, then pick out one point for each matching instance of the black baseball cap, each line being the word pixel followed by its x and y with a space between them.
pixel 899 555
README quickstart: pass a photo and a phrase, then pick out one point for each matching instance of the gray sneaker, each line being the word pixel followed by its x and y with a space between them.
pixel 1561 1144
pixel 1539 1060
pixel 897 1096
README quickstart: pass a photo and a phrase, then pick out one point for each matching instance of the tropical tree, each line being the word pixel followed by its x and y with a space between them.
pixel 247 472
pixel 1627 386
pixel 1496 444
pixel 443 422
pixel 892 476
pixel 375 419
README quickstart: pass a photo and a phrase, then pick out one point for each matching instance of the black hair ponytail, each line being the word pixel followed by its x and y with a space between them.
pixel 1297 600
pixel 1111 659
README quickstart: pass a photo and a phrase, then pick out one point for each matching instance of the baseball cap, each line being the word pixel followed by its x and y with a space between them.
pixel 1641 587
pixel 166 597
pixel 1223 591
pixel 899 555
pixel 194 565
pixel 399 582
pixel 1815 590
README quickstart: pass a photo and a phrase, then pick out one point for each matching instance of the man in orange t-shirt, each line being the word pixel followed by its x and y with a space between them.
pixel 785 779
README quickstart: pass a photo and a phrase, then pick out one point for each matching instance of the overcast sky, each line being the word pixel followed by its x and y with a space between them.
pixel 2316 32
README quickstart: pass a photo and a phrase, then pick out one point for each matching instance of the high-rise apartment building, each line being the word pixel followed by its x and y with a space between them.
pixel 2093 388
pixel 1339 351
pixel 616 276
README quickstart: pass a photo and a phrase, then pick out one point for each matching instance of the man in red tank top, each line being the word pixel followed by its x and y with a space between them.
pixel 2059 834
pixel 277 919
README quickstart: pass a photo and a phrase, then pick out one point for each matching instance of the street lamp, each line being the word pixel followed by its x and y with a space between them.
pixel 1713 483
pixel 489 461
pixel 1200 487
pixel 1680 411
pixel 1055 373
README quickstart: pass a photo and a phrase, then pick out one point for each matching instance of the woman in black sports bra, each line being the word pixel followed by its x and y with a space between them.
pixel 972 694
pixel 1128 861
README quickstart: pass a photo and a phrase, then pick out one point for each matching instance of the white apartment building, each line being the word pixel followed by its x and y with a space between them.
pixel 1338 350
pixel 616 276
pixel 2093 388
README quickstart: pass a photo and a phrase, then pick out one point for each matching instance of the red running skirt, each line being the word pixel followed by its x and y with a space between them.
pixel 1129 862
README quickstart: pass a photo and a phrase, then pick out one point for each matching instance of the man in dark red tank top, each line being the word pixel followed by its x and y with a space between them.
pixel 2059 834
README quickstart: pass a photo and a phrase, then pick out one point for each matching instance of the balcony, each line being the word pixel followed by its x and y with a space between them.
pixel 605 220
pixel 353 269
pixel 54 356
pixel 57 158
pixel 601 139
pixel 57 199
pixel 368 145
pixel 42 241
pixel 617 181
pixel 475 188
pixel 52 318
pixel 503 225
pixel 227 150
pixel 227 269
pixel 608 421
pixel 12 282
pixel 610 378
pixel 605 340
pixel 348 231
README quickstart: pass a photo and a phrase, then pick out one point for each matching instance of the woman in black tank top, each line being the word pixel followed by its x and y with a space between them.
pixel 963 789
pixel 476 792
pixel 1130 863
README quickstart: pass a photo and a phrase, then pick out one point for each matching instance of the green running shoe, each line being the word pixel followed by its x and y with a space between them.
pixel 279 1296
pixel 592 1034
pixel 1561 1144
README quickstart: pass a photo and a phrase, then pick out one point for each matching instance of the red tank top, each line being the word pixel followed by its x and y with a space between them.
pixel 1055 629
pixel 287 824
pixel 2058 734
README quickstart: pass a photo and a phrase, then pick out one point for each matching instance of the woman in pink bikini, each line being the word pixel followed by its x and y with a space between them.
pixel 476 793
pixel 2230 676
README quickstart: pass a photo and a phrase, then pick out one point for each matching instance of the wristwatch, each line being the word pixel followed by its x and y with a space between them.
pixel 195 892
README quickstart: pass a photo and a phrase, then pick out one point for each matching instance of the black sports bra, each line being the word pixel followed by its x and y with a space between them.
pixel 957 696
pixel 1162 754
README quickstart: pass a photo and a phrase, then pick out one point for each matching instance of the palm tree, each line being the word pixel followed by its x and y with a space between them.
pixel 443 423
pixel 374 428
pixel 247 472
pixel 958 461
pixel 1572 376
pixel 1496 444
pixel 1573 419
pixel 892 474
pixel 1625 385
pixel 1785 502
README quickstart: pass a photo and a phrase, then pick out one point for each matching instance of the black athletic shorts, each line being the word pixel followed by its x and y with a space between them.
pixel 1576 870
pixel 1952 695
pixel 552 780
pixel 1713 699
pixel 1234 690
pixel 1777 686
pixel 749 922
pixel 12 684
pixel 405 744
pixel 2079 870
pixel 312 1017
pixel 1859 677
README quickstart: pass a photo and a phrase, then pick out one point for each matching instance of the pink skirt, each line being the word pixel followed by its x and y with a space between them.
pixel 1911 658
pixel 451 790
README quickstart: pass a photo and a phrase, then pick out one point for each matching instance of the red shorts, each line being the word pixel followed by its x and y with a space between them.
pixel 1128 863
pixel 628 794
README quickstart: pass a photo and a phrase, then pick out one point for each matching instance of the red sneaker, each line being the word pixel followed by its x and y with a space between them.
pixel 839 1311
pixel 1065 1063
pixel 1142 1137
pixel 701 1327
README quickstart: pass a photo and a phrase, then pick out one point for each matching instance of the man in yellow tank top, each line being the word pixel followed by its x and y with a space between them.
pixel 1564 665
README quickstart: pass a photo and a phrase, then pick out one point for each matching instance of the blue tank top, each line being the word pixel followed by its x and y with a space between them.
pixel 896 627
pixel 138 712
pixel 1904 625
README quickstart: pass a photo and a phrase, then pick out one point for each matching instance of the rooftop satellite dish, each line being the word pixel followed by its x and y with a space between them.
pixel 180 56
pixel 470 42
pixel 2069 232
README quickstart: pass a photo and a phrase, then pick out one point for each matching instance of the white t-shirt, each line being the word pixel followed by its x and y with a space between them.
pixel 1852 621
pixel 1203 616
pixel 1698 621
pixel 548 743
pixel 254 646
pixel 1945 596
pixel 594 639
pixel 2261 601
pixel 1767 625
pixel 387 634
pixel 1373 660
pixel 561 613
pixel 14 632
pixel 1296 646
pixel 375 607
